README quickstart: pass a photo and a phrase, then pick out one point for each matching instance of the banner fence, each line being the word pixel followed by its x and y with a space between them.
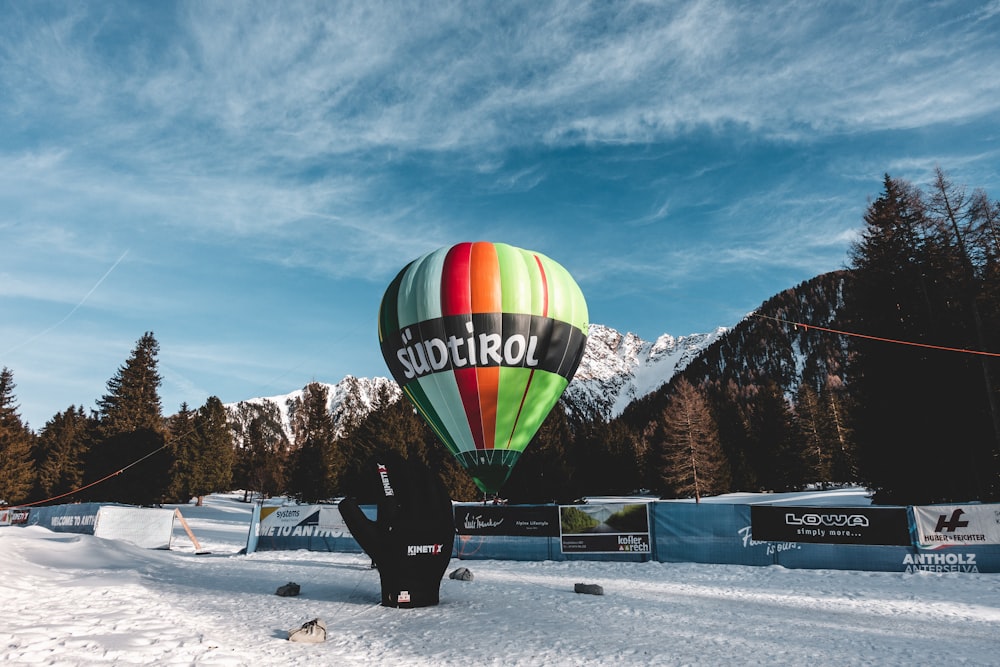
pixel 887 539
pixel 933 538
pixel 146 527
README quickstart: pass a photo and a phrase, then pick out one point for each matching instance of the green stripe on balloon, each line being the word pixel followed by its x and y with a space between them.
pixel 516 278
pixel 388 317
pixel 440 392
pixel 514 384
pixel 418 398
pixel 565 299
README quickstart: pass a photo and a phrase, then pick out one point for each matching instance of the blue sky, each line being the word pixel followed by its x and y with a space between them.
pixel 244 179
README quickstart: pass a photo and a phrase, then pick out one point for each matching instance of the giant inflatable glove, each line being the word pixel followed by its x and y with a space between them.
pixel 412 538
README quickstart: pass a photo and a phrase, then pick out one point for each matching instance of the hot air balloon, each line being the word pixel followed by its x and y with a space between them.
pixel 483 338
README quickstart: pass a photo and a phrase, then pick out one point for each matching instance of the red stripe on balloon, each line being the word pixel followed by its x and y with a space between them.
pixel 545 286
pixel 456 295
pixel 468 389
pixel 531 376
pixel 456 299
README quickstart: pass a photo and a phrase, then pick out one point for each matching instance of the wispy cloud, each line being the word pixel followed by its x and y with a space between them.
pixel 660 213
pixel 249 96
pixel 72 311
pixel 317 79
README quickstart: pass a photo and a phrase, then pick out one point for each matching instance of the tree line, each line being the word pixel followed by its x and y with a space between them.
pixel 897 390
pixel 125 451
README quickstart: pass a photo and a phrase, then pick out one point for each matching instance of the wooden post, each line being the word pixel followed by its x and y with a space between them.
pixel 187 529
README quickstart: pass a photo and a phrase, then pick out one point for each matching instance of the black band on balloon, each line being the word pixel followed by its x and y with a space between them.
pixel 483 340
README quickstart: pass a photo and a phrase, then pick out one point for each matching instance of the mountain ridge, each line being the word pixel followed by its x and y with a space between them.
pixel 616 369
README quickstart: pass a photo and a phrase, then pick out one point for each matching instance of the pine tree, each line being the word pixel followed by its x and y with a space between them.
pixel 315 463
pixel 261 449
pixel 390 427
pixel 818 452
pixel 835 403
pixel 215 460
pixel 604 459
pixel 17 473
pixel 825 438
pixel 454 477
pixel 987 216
pixel 777 455
pixel 737 442
pixel 61 450
pixel 758 436
pixel 692 461
pixel 133 399
pixel 890 296
pixel 132 454
pixel 381 430
pixel 963 222
pixel 921 416
pixel 185 445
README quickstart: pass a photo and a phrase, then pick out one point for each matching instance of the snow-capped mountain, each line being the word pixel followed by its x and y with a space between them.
pixel 619 368
pixel 616 369
pixel 351 398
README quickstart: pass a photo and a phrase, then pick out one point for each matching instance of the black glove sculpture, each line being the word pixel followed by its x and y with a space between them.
pixel 412 538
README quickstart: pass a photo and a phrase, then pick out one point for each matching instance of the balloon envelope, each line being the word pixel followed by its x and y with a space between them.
pixel 483 338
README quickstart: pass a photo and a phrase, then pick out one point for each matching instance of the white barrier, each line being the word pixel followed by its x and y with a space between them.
pixel 145 527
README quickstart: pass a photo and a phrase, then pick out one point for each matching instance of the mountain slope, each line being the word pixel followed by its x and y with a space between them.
pixel 619 368
pixel 767 346
pixel 351 398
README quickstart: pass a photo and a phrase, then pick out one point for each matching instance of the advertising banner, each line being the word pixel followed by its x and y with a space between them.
pixel 885 526
pixel 687 532
pixel 312 527
pixel 957 525
pixel 73 518
pixel 14 516
pixel 302 521
pixel 604 528
pixel 512 520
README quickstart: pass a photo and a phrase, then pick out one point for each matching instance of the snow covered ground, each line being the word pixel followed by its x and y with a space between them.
pixel 81 600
